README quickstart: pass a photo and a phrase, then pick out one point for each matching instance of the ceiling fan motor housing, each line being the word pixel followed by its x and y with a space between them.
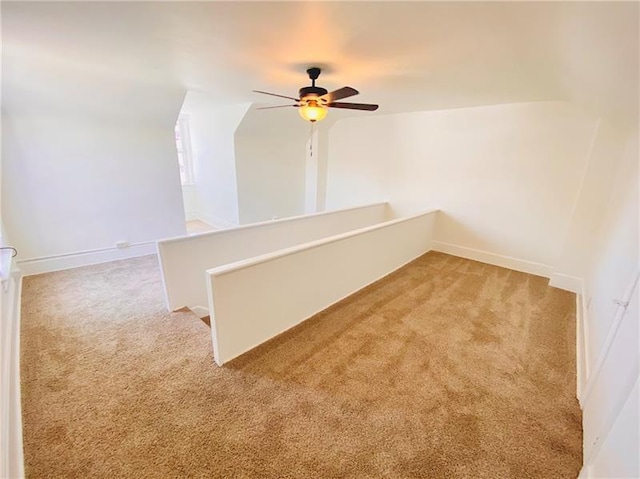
pixel 311 92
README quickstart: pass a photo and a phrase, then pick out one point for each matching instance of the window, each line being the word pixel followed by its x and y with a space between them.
pixel 183 147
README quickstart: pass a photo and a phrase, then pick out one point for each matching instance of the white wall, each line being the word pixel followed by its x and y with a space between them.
pixel 73 181
pixel 505 177
pixel 618 456
pixel 311 277
pixel 270 159
pixel 614 259
pixel 212 126
pixel 11 451
pixel 607 148
pixel 271 171
pixel 612 341
pixel 612 387
pixel 88 153
pixel 597 57
pixel 316 168
pixel 184 260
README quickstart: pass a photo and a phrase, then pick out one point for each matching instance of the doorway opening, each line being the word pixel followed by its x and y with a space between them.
pixel 194 223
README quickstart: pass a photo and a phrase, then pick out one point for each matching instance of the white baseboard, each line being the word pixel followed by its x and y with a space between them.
pixel 84 258
pixel 585 472
pixel 200 311
pixel 215 221
pixel 508 262
pixel 191 215
pixel 566 282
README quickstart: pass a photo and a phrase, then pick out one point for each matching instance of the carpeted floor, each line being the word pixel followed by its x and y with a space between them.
pixel 447 368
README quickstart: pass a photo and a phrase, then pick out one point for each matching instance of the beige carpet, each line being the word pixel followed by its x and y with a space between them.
pixel 447 368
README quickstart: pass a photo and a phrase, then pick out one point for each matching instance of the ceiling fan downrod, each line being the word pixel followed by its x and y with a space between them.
pixel 314 73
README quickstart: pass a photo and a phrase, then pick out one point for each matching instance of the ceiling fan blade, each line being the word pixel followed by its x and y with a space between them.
pixel 354 106
pixel 339 94
pixel 277 106
pixel 275 94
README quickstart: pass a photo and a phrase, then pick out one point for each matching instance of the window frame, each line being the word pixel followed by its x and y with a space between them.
pixel 183 133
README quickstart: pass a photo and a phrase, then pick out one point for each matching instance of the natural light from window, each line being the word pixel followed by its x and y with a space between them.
pixel 183 147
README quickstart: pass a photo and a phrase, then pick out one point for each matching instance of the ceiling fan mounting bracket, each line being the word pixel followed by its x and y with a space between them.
pixel 314 73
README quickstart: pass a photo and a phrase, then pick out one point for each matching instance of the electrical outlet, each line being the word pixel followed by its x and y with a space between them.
pixel 122 244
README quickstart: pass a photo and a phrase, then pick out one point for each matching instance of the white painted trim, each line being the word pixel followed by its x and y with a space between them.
pixel 59 262
pixel 215 221
pixel 191 215
pixel 503 261
pixel 16 451
pixel 586 472
pixel 611 420
pixel 12 460
pixel 214 324
pixel 263 258
pixel 184 258
pixel 566 282
pixel 200 311
pixel 280 220
pixel 582 356
pixel 611 336
pixel 586 349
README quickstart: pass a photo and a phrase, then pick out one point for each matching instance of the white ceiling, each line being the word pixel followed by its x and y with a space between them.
pixel 404 56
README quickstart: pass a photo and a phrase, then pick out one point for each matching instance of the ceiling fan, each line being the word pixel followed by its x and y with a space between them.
pixel 314 100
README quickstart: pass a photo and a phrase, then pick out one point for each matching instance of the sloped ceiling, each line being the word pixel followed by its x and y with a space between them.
pixel 405 56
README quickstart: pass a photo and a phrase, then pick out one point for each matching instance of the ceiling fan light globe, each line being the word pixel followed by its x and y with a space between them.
pixel 312 113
